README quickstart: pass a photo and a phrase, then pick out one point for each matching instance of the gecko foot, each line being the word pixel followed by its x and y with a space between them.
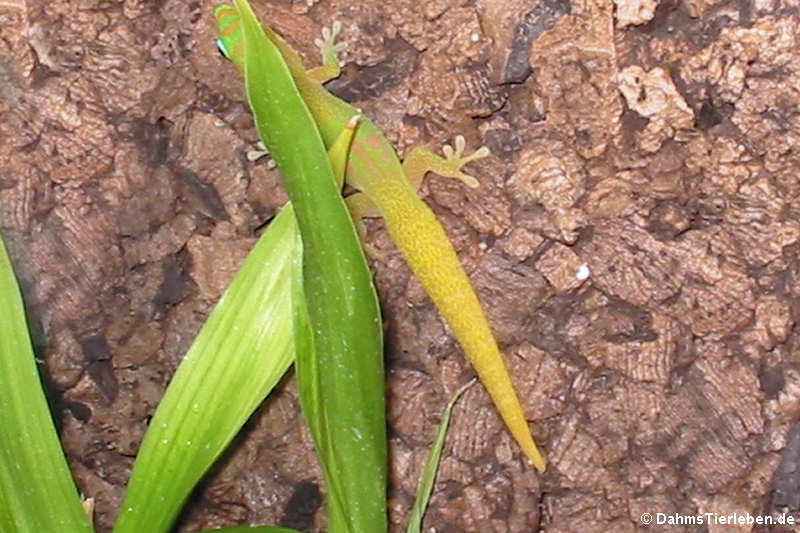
pixel 258 153
pixel 454 160
pixel 328 45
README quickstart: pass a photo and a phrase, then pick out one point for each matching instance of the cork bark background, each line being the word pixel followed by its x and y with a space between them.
pixel 635 241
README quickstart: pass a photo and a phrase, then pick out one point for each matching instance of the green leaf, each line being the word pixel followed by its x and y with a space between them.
pixel 36 489
pixel 341 378
pixel 241 352
pixel 432 466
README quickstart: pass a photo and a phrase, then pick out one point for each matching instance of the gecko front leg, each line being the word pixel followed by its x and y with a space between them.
pixel 329 49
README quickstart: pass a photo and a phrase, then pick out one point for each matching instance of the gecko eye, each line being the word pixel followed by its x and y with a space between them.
pixel 221 48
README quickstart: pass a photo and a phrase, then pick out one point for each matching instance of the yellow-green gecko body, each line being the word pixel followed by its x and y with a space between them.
pixel 388 189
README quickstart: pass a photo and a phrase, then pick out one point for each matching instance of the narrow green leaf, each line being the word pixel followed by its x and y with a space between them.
pixel 341 378
pixel 37 493
pixel 432 466
pixel 312 401
pixel 241 352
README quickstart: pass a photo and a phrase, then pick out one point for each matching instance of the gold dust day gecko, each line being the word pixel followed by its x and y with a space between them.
pixel 387 188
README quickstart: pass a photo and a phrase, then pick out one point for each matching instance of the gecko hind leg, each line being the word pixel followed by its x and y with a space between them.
pixel 258 153
pixel 329 49
pixel 421 160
